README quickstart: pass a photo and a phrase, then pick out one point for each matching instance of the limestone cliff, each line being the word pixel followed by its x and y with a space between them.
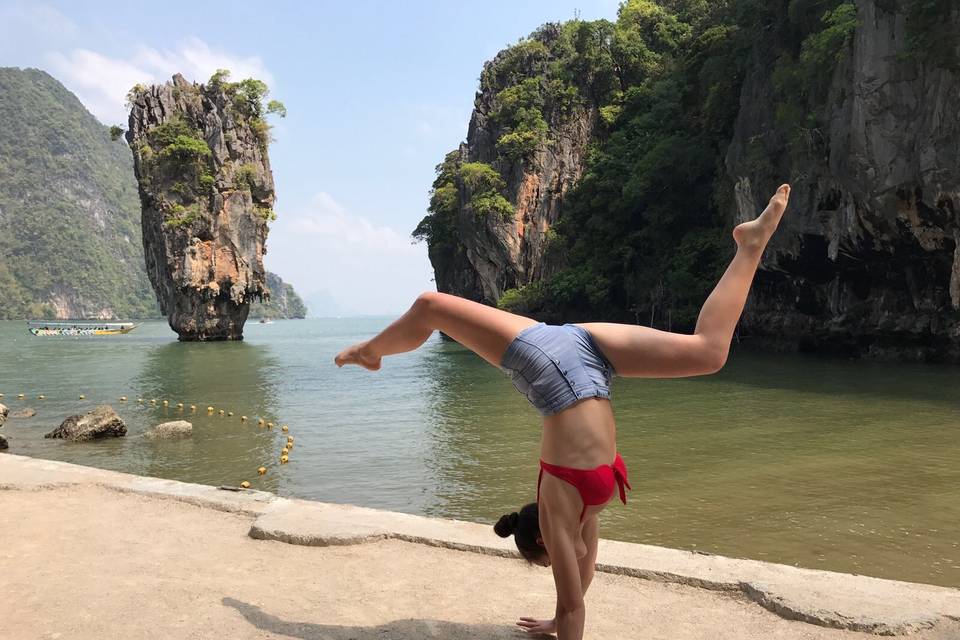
pixel 626 151
pixel 507 249
pixel 868 261
pixel 207 193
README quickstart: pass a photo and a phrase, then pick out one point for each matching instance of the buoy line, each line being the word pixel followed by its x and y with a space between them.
pixel 180 407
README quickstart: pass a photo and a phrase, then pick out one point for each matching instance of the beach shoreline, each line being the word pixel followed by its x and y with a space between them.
pixel 51 513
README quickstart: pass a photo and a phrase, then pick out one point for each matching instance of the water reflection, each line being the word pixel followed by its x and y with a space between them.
pixel 483 435
pixel 234 377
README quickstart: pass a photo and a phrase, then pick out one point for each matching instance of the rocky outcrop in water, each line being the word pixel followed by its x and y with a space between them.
pixel 207 194
pixel 170 430
pixel 505 248
pixel 102 422
pixel 868 260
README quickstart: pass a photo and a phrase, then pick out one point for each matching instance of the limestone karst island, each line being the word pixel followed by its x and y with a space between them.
pixel 619 319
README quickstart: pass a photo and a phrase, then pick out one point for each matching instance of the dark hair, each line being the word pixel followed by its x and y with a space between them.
pixel 525 528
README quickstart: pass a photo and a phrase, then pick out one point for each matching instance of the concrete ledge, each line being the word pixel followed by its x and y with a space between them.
pixel 836 600
pixel 24 473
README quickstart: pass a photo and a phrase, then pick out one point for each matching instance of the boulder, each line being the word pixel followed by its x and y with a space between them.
pixel 102 422
pixel 3 414
pixel 24 413
pixel 3 443
pixel 170 430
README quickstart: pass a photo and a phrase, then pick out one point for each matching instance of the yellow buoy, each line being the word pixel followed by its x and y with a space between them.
pixel 41 397
pixel 124 399
pixel 289 446
pixel 230 414
pixel 82 397
pixel 221 411
pixel 139 399
pixel 166 402
pixel 244 485
pixel 193 407
pixel 20 395
pixel 284 451
pixel 285 428
pixel 243 418
pixel 262 470
pixel 152 400
pixel 1 395
pixel 179 405
pixel 209 408
pixel 269 425
pixel 284 459
pixel 261 422
pixel 289 439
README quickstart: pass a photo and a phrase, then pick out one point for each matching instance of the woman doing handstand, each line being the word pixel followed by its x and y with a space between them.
pixel 565 372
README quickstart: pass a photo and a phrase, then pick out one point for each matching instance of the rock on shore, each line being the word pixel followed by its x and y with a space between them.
pixel 3 414
pixel 102 422
pixel 170 430
pixel 3 443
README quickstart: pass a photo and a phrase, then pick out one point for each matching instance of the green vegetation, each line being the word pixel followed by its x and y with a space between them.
pixel 266 213
pixel 245 176
pixel 181 216
pixel 484 185
pixel 69 210
pixel 248 98
pixel 483 188
pixel 931 35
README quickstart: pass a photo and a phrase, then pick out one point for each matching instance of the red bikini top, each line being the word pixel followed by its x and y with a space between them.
pixel 596 486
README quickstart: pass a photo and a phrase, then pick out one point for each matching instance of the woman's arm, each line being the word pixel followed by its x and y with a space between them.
pixel 559 525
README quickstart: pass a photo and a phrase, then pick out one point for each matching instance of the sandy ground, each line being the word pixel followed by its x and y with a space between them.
pixel 92 563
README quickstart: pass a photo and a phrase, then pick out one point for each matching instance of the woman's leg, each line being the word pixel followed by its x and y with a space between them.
pixel 645 352
pixel 484 330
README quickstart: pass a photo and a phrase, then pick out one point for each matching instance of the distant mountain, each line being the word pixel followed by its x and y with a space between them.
pixel 70 242
pixel 284 301
pixel 321 304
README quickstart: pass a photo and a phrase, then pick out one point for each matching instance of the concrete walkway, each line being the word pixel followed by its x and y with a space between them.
pixel 88 553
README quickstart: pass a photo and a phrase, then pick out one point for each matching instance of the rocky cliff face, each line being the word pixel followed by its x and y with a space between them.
pixel 868 260
pixel 207 193
pixel 499 252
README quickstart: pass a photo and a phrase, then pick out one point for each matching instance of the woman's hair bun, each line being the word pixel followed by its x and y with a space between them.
pixel 507 525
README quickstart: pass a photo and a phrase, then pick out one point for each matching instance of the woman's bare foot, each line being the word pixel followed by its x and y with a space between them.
pixel 756 233
pixel 357 354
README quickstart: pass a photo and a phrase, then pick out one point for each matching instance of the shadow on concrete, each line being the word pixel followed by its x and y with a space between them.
pixel 396 630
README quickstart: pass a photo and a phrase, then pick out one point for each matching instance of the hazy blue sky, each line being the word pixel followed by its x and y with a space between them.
pixel 377 93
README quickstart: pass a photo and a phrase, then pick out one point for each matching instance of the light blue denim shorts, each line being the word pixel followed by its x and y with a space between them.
pixel 555 366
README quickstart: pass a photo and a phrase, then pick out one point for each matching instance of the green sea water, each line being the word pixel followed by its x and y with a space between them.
pixel 823 463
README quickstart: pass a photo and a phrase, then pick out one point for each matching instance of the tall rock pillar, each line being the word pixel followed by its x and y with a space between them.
pixel 207 194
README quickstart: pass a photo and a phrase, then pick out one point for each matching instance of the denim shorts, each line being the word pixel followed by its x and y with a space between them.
pixel 556 366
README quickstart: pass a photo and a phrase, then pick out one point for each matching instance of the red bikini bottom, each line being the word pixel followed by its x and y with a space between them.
pixel 596 486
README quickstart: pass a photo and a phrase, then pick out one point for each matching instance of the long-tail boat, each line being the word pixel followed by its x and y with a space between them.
pixel 45 328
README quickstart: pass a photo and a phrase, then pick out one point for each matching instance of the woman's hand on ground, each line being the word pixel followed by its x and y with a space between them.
pixel 532 625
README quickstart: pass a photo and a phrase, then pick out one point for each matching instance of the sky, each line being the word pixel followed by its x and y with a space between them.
pixel 376 92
